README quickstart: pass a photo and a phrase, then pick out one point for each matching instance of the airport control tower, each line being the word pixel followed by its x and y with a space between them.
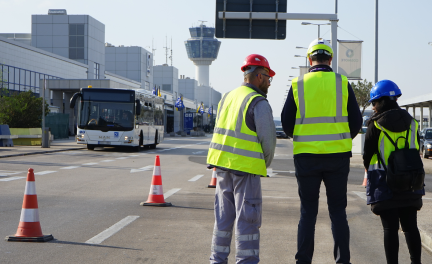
pixel 202 48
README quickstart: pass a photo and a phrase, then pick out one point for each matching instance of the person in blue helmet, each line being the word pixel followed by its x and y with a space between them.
pixel 392 207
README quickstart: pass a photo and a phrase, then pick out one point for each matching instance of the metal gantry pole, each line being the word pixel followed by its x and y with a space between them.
pixel 376 41
pixel 334 45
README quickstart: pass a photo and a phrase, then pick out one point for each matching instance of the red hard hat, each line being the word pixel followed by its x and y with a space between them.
pixel 257 60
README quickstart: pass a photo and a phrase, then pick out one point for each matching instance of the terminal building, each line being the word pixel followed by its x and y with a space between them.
pixel 70 52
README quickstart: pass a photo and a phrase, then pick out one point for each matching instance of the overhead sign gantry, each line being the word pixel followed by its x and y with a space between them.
pixel 263 19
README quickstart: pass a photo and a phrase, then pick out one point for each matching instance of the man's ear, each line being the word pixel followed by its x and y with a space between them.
pixel 330 61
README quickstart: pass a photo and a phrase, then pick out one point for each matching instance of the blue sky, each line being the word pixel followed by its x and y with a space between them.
pixel 404 33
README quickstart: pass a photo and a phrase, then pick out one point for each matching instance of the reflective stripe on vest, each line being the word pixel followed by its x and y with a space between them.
pixel 234 145
pixel 327 131
pixel 385 149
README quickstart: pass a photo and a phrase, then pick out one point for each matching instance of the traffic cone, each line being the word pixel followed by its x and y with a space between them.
pixel 156 197
pixel 213 179
pixel 365 178
pixel 29 229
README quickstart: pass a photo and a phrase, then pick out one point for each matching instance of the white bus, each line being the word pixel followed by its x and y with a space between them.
pixel 118 118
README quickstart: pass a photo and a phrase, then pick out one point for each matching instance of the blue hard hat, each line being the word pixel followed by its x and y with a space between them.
pixel 384 88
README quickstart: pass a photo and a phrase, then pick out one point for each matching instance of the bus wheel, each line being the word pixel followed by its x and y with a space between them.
pixel 141 139
pixel 153 146
pixel 90 147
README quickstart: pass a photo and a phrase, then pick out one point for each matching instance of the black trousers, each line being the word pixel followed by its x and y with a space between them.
pixel 310 172
pixel 408 220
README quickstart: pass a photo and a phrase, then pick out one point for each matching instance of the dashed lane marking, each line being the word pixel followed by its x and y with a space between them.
pixel 44 172
pixel 12 178
pixel 112 230
pixel 134 155
pixel 195 178
pixel 171 192
pixel 284 171
pixel 122 158
pixel 89 164
pixel 146 168
pixel 198 152
pixel 107 160
pixel 69 168
pixel 361 195
pixel 8 173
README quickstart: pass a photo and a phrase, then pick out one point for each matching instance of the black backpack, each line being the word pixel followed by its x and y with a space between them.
pixel 405 168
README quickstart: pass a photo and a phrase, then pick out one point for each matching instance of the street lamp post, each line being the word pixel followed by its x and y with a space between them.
pixel 313 24
pixel 298 56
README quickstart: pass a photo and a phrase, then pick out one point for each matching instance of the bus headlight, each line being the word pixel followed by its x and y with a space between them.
pixel 128 139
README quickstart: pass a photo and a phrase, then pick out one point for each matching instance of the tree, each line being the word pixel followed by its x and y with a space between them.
pixel 21 110
pixel 362 93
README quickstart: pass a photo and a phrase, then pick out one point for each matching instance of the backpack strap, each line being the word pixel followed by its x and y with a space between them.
pixel 387 135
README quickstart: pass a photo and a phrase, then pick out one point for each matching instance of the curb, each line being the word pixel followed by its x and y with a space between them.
pixel 38 152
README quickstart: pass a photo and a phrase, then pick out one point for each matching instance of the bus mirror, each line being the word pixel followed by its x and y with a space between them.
pixel 73 99
pixel 137 107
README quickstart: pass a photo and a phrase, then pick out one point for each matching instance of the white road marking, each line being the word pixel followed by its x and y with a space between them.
pixel 285 171
pixel 44 172
pixel 112 230
pixel 122 158
pixel 198 152
pixel 107 160
pixel 8 173
pixel 134 155
pixel 196 178
pixel 171 192
pixel 281 197
pixel 69 168
pixel 146 168
pixel 89 164
pixel 151 152
pixel 12 178
pixel 270 172
pixel 361 195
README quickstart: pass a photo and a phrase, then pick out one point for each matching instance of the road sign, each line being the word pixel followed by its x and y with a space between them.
pixel 188 122
pixel 251 28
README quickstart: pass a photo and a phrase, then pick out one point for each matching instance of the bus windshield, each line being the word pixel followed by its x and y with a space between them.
pixel 106 116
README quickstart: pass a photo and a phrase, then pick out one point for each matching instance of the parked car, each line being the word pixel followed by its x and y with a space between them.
pixel 280 133
pixel 426 142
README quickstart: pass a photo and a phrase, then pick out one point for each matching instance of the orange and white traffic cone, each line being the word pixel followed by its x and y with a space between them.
pixel 365 178
pixel 156 197
pixel 29 229
pixel 213 180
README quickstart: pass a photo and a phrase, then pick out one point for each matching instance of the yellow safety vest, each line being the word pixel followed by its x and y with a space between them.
pixel 234 146
pixel 321 125
pixel 386 147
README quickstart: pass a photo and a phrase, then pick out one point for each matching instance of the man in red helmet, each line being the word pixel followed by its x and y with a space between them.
pixel 242 147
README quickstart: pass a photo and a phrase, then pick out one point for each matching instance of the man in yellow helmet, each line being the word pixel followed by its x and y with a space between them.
pixel 322 116
pixel 242 146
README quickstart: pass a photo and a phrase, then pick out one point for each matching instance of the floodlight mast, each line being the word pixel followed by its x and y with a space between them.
pixel 290 16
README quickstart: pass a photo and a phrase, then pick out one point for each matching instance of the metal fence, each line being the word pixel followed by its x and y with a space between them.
pixel 58 124
pixel 21 80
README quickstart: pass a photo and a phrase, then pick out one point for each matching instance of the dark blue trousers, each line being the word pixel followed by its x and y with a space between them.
pixel 310 172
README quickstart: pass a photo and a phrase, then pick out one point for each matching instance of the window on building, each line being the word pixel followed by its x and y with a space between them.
pixel 96 70
pixel 76 42
pixel 166 87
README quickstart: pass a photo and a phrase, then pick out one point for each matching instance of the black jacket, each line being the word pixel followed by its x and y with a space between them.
pixel 395 120
pixel 355 120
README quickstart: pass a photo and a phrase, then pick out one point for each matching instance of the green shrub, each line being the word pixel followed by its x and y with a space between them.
pixel 21 110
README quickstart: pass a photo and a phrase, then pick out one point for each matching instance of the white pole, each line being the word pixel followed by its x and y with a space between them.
pixel 376 41
pixel 43 114
pixel 334 44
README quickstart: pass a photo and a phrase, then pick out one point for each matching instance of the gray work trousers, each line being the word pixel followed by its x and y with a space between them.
pixel 238 202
